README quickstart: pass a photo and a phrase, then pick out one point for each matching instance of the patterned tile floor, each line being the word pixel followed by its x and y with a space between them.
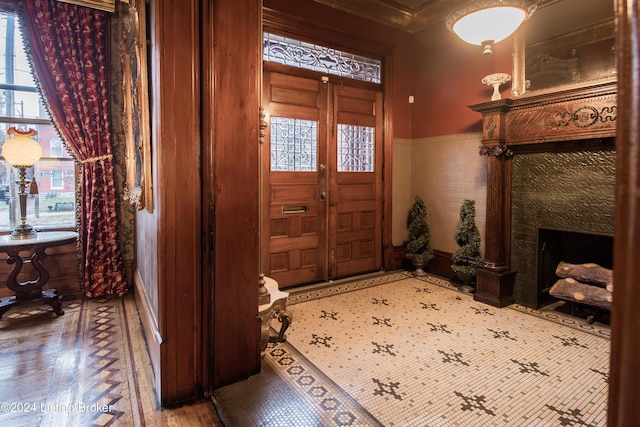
pixel 395 350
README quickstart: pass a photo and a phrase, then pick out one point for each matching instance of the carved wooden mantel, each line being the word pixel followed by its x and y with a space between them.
pixel 533 122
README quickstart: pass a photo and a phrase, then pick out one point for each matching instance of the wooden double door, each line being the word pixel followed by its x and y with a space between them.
pixel 321 179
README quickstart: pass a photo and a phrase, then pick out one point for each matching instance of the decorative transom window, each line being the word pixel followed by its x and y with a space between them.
pixel 309 56
pixel 355 148
pixel 294 145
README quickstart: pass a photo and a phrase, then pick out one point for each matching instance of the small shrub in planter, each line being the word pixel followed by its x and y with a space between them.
pixel 418 249
pixel 467 257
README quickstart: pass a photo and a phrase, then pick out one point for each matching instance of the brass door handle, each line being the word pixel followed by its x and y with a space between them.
pixel 323 196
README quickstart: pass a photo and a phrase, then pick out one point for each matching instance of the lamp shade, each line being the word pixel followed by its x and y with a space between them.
pixel 486 22
pixel 21 150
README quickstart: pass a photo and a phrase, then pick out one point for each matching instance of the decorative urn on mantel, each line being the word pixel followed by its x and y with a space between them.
pixel 495 80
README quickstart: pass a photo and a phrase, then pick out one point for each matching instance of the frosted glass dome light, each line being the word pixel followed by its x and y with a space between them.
pixel 486 22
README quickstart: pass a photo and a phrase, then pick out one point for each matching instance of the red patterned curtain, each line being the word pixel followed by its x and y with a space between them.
pixel 68 45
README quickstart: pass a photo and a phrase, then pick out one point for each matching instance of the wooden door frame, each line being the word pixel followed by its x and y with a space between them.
pixel 624 370
pixel 297 28
pixel 230 337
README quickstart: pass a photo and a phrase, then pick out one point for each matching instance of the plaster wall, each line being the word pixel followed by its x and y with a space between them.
pixel 446 170
pixel 401 188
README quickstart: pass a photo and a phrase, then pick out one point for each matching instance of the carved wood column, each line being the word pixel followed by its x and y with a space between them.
pixel 495 280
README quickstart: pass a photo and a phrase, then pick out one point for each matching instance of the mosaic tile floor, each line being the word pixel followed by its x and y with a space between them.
pixel 401 351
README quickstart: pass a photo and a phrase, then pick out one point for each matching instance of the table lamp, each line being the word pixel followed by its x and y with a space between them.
pixel 22 152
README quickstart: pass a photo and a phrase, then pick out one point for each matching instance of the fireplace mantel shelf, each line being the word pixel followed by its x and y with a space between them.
pixel 586 113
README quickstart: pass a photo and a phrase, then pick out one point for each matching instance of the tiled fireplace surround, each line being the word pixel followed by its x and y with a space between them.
pixel 551 167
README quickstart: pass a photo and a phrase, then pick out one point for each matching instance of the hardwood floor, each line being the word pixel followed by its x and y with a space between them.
pixel 88 367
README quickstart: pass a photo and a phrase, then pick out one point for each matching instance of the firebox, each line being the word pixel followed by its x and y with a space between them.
pixel 574 247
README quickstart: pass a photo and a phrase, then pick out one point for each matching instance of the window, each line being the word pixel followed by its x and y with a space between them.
pixel 56 148
pixel 310 56
pixel 21 106
pixel 57 180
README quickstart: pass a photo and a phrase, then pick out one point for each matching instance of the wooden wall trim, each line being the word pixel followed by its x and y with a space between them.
pixel 440 265
pixel 176 129
pixel 316 32
pixel 398 259
pixel 149 328
pixel 208 210
pixel 387 163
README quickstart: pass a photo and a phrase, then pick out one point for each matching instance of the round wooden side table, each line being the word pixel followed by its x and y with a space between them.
pixel 32 289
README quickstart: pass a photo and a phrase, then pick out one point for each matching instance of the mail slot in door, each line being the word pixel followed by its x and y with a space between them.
pixel 288 210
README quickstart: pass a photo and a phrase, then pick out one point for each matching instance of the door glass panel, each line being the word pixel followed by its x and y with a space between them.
pixel 355 148
pixel 294 145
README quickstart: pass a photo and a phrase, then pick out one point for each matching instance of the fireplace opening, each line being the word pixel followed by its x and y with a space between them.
pixel 569 246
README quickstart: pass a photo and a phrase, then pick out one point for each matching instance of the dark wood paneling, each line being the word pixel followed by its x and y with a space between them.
pixel 175 110
pixel 231 176
pixel 624 375
pixel 398 259
pixel 440 265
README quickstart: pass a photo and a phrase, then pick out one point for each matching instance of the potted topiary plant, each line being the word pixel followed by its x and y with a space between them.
pixel 418 249
pixel 467 257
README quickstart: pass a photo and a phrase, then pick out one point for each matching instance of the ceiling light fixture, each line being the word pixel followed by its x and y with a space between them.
pixel 485 22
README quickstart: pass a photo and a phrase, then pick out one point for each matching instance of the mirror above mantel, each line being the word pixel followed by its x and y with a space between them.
pixel 565 44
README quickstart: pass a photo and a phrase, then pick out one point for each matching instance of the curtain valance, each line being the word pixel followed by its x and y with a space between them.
pixel 108 5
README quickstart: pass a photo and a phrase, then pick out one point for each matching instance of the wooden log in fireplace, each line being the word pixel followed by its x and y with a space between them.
pixel 589 272
pixel 583 293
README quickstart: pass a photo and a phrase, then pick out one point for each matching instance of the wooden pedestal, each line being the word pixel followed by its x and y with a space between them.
pixel 495 287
